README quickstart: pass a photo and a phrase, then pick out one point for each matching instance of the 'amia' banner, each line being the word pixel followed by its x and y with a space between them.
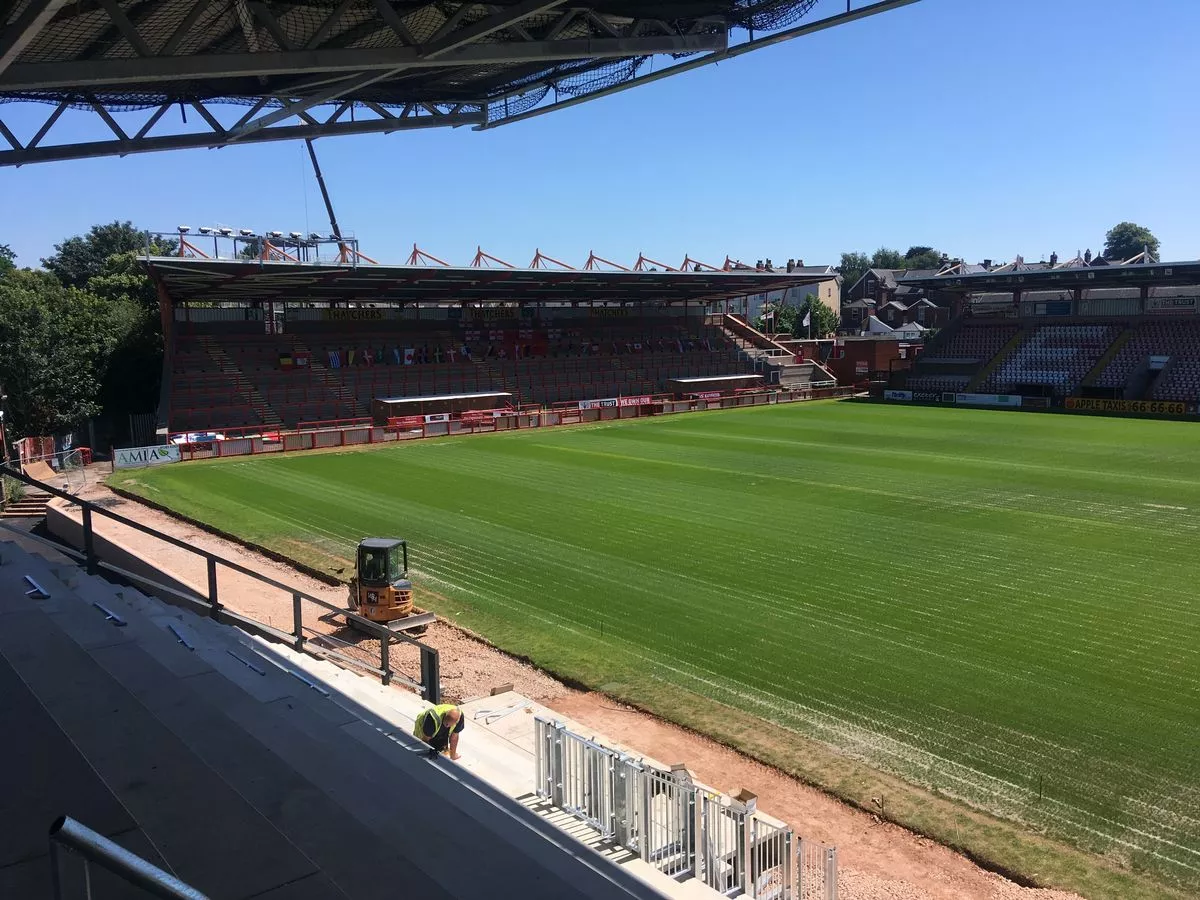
pixel 138 457
pixel 1152 407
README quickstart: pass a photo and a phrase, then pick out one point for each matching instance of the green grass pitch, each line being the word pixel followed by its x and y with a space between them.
pixel 995 605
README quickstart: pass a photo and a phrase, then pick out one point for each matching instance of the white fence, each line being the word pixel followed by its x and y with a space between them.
pixel 677 825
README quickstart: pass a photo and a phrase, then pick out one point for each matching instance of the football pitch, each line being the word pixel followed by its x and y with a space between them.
pixel 998 606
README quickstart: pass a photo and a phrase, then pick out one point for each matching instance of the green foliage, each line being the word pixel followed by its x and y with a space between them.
pixel 855 265
pixel 80 258
pixel 852 268
pixel 824 321
pixel 55 344
pixel 922 258
pixel 1030 647
pixel 1127 240
pixel 8 259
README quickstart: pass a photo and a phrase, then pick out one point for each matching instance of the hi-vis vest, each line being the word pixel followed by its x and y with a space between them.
pixel 437 712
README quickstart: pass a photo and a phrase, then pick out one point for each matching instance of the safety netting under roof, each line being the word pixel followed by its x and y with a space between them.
pixel 86 31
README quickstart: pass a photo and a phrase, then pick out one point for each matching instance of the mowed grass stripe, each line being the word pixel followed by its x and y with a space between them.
pixel 997 605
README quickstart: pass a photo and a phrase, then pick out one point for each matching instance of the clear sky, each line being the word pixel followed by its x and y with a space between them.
pixel 986 128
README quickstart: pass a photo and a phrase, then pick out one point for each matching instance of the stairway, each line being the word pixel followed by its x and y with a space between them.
pixel 31 506
pixel 212 755
pixel 239 381
pixel 991 365
pixel 1109 355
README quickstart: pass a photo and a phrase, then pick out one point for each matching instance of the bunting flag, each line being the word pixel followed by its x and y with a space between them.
pixel 450 354
pixel 335 359
pixel 379 355
pixel 679 344
pixel 285 360
pixel 396 355
pixel 408 356
pixel 300 359
pixel 349 357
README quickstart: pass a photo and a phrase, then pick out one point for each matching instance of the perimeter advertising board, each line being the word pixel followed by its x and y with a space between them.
pixel 903 396
pixel 987 399
pixel 613 402
pixel 140 457
pixel 1146 407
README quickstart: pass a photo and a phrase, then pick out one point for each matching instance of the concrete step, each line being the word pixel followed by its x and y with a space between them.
pixel 339 776
pixel 189 812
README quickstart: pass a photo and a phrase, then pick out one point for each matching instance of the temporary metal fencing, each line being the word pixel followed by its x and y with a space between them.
pixel 676 825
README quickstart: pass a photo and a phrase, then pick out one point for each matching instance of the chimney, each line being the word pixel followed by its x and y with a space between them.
pixel 791 265
pixel 799 264
pixel 987 264
pixel 770 268
pixel 1053 259
pixel 1087 256
pixel 758 266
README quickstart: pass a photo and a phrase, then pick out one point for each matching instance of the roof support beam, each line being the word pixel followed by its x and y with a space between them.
pixel 433 49
pixel 211 140
pixel 720 56
pixel 100 73
pixel 16 37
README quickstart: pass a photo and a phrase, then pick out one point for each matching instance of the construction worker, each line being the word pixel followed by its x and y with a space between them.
pixel 439 727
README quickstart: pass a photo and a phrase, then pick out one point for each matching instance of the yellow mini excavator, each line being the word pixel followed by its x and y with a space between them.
pixel 380 590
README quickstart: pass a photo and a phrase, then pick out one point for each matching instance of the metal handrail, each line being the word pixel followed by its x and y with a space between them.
pixel 430 664
pixel 96 848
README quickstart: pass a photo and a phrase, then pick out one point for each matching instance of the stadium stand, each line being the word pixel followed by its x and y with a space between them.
pixel 229 379
pixel 972 343
pixel 1054 357
pixel 1177 339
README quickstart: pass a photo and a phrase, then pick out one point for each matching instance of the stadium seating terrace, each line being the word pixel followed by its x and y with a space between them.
pixel 1127 331
pixel 284 345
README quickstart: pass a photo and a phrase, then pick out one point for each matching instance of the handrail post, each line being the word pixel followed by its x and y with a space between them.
pixel 385 656
pixel 431 675
pixel 89 542
pixel 297 622
pixel 213 598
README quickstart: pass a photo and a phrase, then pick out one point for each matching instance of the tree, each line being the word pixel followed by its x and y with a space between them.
pixel 79 259
pixel 885 258
pixel 134 373
pixel 823 320
pixel 923 258
pixel 852 268
pixel 55 343
pixel 1127 240
pixel 8 259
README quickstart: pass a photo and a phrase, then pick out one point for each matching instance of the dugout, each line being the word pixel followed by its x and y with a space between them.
pixel 710 387
pixel 383 409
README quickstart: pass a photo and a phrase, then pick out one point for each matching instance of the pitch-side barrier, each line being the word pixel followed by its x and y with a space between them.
pixel 314 436
pixel 676 824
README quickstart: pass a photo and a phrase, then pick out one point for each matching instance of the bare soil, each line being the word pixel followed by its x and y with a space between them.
pixel 877 860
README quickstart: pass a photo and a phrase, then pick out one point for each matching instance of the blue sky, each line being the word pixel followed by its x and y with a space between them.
pixel 985 129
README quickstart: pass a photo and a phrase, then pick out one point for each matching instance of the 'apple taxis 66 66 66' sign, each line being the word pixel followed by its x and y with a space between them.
pixel 139 457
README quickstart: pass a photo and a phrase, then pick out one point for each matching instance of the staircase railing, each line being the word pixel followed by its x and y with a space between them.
pixel 129 867
pixel 301 637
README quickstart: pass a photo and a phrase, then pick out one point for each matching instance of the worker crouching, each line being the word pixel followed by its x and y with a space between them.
pixel 439 727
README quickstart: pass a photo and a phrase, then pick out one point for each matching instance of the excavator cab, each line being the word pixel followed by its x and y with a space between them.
pixel 380 589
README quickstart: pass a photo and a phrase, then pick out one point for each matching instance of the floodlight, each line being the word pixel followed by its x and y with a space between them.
pixel 204 229
pixel 246 232
pixel 313 236
pixel 275 234
pixel 334 237
pixel 184 229
pixel 226 232
pixel 295 235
